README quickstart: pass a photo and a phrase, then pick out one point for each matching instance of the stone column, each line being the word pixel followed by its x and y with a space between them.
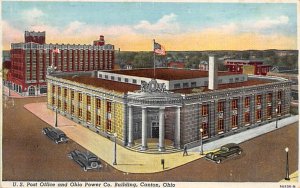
pixel 161 143
pixel 144 129
pixel 227 115
pixel 177 129
pixel 252 109
pixel 130 126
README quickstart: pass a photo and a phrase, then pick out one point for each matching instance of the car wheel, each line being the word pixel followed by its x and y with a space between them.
pixel 240 152
pixel 218 161
pixel 56 142
pixel 43 132
pixel 94 165
pixel 84 169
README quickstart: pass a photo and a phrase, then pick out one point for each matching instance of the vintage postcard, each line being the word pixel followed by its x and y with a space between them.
pixel 149 94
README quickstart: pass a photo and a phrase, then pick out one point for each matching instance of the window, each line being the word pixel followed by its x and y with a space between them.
pixel 220 106
pixel 98 120
pixel 234 104
pixel 65 92
pixel 72 95
pixel 88 100
pixel 80 97
pixel 106 76
pixel 258 99
pixel 79 112
pixel 98 103
pixel 234 121
pixel 279 95
pixel 205 129
pixel 119 79
pixel 258 115
pixel 126 79
pixel 65 106
pixel 108 125
pixel 204 110
pixel 53 89
pixel 177 86
pixel 100 75
pixel 108 106
pixel 279 109
pixel 269 97
pixel 88 116
pixel 53 101
pixel 247 117
pixel 269 112
pixel 112 78
pixel 247 102
pixel 134 81
pixel 220 125
pixel 185 85
pixel 59 91
pixel 72 109
pixel 193 84
pixel 59 104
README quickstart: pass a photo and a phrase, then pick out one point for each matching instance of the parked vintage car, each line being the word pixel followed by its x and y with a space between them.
pixel 56 135
pixel 224 152
pixel 86 160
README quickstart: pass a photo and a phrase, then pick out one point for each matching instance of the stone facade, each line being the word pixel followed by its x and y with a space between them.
pixel 167 115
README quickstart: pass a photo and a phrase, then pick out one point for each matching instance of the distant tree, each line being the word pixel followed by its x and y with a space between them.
pixel 143 60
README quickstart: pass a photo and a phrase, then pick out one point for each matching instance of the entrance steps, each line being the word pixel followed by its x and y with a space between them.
pixel 153 147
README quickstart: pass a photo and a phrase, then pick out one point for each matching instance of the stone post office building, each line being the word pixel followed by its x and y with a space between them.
pixel 174 106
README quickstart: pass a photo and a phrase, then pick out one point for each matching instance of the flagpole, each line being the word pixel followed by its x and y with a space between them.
pixel 154 57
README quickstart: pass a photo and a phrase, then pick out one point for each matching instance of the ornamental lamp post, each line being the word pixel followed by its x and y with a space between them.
pixel 287 175
pixel 115 150
pixel 201 141
pixel 276 118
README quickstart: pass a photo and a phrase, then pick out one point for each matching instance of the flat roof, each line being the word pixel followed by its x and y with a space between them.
pixel 106 84
pixel 127 87
pixel 168 73
pixel 251 82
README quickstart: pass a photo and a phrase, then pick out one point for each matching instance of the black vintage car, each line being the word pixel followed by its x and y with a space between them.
pixel 224 152
pixel 56 135
pixel 86 160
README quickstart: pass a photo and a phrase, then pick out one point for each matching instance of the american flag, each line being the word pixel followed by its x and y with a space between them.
pixel 56 50
pixel 159 49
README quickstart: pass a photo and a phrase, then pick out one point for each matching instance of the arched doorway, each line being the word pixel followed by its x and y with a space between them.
pixel 31 91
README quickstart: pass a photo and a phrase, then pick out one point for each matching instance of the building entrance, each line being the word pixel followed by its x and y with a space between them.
pixel 155 129
pixel 31 91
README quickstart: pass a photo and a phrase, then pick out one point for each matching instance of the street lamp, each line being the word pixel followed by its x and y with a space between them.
pixel 201 131
pixel 276 118
pixel 115 150
pixel 287 175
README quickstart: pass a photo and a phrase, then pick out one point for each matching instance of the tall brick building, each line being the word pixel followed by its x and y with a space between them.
pixel 174 106
pixel 31 59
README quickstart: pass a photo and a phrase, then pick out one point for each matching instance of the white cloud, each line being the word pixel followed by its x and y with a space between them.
pixel 32 15
pixel 10 34
pixel 267 23
pixel 166 24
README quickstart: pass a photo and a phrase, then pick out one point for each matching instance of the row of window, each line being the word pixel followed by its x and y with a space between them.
pixel 234 120
pixel 79 110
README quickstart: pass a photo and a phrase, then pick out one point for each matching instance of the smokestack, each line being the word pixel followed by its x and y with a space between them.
pixel 212 74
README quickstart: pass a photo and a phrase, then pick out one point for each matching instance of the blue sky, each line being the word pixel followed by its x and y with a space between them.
pixel 69 21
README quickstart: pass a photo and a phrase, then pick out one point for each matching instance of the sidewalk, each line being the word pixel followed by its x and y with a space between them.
pixel 249 134
pixel 136 162
pixel 14 94
pixel 127 160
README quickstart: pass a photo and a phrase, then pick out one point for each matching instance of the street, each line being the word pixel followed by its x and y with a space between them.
pixel 30 155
